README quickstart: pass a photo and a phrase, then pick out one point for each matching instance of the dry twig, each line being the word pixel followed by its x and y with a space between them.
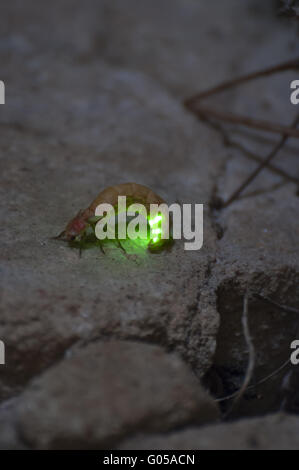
pixel 251 353
pixel 285 308
pixel 229 142
pixel 226 116
pixel 194 104
pixel 239 393
pixel 290 65
pixel 260 167
pixel 275 372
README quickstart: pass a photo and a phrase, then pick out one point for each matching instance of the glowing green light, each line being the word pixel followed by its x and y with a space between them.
pixel 156 220
pixel 155 229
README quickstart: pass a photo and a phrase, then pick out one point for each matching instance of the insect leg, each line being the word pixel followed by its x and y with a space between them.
pixel 120 246
pixel 60 236
pixel 101 247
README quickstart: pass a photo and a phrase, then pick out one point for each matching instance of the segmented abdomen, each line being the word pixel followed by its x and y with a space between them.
pixel 137 192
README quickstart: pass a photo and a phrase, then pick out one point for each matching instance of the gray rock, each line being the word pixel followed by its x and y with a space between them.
pixel 273 432
pixel 90 127
pixel 9 438
pixel 259 247
pixel 99 104
pixel 107 390
pixel 169 40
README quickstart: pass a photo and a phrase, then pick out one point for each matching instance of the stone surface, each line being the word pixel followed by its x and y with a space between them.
pixel 273 432
pixel 259 247
pixel 104 391
pixel 169 40
pixel 94 98
pixel 9 438
pixel 62 160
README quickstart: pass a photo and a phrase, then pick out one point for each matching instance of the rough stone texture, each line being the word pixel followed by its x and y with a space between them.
pixel 273 432
pixel 107 390
pixel 290 8
pixel 259 247
pixel 93 98
pixel 9 438
pixel 125 129
pixel 186 46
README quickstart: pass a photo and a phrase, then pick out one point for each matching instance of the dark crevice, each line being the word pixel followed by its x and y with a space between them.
pixel 272 331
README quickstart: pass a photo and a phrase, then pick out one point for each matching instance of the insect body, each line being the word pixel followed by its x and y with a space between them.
pixel 82 224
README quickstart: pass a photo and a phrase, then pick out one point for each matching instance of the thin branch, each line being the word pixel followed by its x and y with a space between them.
pixel 276 304
pixel 285 308
pixel 260 167
pixel 205 111
pixel 290 65
pixel 273 168
pixel 275 372
pixel 232 143
pixel 251 353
